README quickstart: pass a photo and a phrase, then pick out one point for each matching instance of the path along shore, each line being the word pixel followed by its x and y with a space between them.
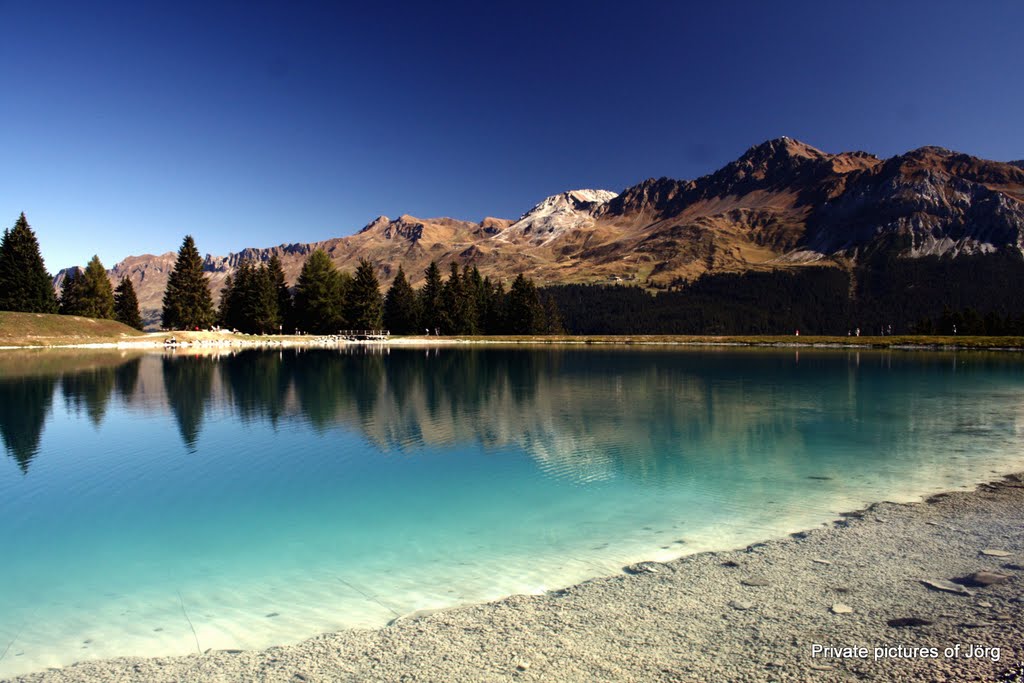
pixel 221 339
pixel 885 588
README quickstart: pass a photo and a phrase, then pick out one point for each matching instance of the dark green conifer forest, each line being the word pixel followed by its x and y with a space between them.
pixel 974 295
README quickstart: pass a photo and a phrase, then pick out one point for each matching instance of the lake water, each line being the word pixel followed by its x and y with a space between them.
pixel 160 504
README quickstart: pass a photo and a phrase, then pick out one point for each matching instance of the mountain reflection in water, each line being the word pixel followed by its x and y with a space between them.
pixel 586 414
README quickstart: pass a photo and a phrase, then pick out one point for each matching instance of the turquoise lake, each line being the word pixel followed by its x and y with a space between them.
pixel 158 504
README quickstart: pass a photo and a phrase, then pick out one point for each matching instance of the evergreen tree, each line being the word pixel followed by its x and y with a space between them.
pixel 249 300
pixel 451 299
pixel 24 283
pixel 319 295
pixel 431 306
pixel 525 315
pixel 477 293
pixel 70 300
pixel 96 296
pixel 187 301
pixel 459 302
pixel 552 316
pixel 126 304
pixel 365 307
pixel 260 308
pixel 284 295
pixel 345 283
pixel 240 299
pixel 225 312
pixel 495 318
pixel 400 306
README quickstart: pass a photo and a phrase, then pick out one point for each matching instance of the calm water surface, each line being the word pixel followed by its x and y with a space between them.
pixel 270 496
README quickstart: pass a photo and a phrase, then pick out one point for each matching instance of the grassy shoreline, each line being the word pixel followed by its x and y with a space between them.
pixel 42 331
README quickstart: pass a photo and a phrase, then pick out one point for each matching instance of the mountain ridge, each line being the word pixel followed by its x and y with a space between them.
pixel 781 204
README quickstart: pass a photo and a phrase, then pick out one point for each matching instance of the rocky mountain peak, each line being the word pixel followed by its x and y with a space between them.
pixel 779 148
pixel 557 214
pixel 781 155
pixel 376 224
pixel 654 196
pixel 568 202
pixel 938 164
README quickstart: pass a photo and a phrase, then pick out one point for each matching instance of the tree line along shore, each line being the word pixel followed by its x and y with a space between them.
pixel 256 299
pixel 884 296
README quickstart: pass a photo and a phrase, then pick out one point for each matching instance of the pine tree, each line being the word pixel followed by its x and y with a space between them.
pixel 239 303
pixel 260 307
pixel 552 316
pixel 319 295
pixel 365 306
pixel 96 295
pixel 495 309
pixel 451 299
pixel 478 297
pixel 187 301
pixel 401 306
pixel 525 315
pixel 249 300
pixel 431 305
pixel 458 304
pixel 126 304
pixel 70 300
pixel 225 312
pixel 24 283
pixel 284 295
pixel 469 314
pixel 345 284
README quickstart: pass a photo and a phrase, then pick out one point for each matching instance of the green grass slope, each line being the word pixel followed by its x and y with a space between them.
pixel 43 329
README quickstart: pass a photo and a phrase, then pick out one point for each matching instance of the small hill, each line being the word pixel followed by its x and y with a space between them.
pixel 44 329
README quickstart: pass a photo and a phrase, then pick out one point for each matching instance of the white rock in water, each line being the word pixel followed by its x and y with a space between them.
pixel 840 608
pixel 992 552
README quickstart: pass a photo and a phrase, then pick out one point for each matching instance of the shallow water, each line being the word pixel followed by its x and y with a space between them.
pixel 167 504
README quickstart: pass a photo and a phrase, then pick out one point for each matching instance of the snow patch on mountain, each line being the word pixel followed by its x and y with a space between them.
pixel 556 215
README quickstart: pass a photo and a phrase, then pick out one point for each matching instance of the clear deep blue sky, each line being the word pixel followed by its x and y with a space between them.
pixel 126 125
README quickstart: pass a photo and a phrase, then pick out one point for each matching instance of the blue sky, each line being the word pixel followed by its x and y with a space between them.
pixel 125 126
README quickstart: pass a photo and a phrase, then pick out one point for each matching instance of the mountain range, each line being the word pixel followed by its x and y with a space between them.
pixel 782 205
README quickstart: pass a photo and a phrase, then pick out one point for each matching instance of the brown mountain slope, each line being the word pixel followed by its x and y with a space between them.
pixel 781 204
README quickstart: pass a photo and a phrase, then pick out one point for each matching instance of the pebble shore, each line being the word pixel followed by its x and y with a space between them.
pixel 930 591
